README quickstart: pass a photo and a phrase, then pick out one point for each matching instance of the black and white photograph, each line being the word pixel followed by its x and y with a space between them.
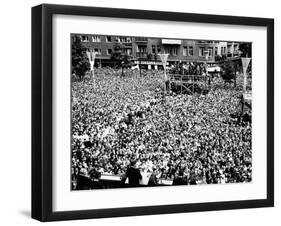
pixel 148 111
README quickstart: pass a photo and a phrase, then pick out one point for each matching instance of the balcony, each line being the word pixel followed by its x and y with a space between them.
pixel 141 40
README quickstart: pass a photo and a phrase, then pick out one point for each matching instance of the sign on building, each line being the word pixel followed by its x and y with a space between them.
pixel 171 41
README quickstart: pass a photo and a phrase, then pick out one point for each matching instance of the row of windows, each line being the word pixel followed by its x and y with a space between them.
pixel 223 50
pixel 141 49
pixel 108 51
pixel 156 49
pixel 171 50
pixel 123 39
pixel 210 51
pixel 98 51
pixel 187 51
pixel 85 38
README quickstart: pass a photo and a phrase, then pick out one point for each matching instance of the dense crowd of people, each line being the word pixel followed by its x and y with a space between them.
pixel 120 122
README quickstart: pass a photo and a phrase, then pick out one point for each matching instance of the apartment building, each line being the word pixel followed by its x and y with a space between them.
pixel 144 51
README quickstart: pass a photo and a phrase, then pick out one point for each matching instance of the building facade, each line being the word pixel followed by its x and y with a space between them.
pixel 144 51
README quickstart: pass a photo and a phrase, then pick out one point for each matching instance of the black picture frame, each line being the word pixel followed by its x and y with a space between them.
pixel 42 111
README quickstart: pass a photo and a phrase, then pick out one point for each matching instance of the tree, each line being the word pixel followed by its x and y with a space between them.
pixel 120 56
pixel 79 60
pixel 246 49
pixel 229 69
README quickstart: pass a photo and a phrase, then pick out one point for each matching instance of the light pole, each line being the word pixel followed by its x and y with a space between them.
pixel 206 52
pixel 164 58
pixel 91 57
pixel 245 64
pixel 140 63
